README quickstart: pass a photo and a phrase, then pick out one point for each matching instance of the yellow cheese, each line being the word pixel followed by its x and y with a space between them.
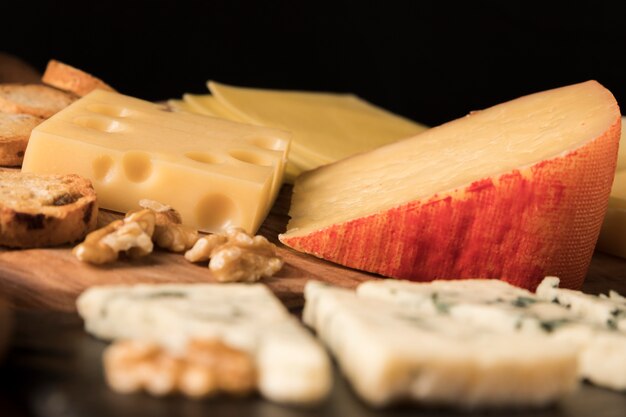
pixel 180 105
pixel 613 233
pixel 326 127
pixel 207 104
pixel 216 173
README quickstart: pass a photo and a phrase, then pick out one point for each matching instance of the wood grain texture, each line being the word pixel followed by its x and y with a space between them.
pixel 52 278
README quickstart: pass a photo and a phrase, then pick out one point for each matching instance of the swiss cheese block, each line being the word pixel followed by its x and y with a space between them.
pixel 326 127
pixel 216 173
pixel 292 366
pixel 515 192
pixel 595 326
pixel 613 233
pixel 389 355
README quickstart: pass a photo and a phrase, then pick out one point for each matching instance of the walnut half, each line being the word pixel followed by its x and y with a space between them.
pixel 236 256
pixel 206 368
pixel 132 235
pixel 169 233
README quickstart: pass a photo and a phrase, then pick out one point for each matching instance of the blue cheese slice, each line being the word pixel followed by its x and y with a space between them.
pixel 593 325
pixel 485 303
pixel 389 355
pixel 292 366
pixel 608 311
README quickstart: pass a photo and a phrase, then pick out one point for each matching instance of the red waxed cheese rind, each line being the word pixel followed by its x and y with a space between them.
pixel 519 227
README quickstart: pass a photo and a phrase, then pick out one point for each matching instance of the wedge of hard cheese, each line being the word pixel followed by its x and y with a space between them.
pixel 292 367
pixel 216 173
pixel 390 354
pixel 514 192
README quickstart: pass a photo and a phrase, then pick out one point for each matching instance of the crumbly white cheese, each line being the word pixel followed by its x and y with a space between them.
pixel 609 312
pixel 292 366
pixel 485 303
pixel 391 354
pixel 594 325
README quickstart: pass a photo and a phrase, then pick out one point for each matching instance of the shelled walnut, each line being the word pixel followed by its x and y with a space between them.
pixel 206 368
pixel 169 233
pixel 133 235
pixel 155 223
pixel 236 256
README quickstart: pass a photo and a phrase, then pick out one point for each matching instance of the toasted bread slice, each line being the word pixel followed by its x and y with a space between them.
pixel 34 99
pixel 14 133
pixel 68 78
pixel 45 210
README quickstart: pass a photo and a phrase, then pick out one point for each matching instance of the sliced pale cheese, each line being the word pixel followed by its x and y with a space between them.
pixel 516 192
pixel 613 233
pixel 195 104
pixel 588 322
pixel 292 366
pixel 180 105
pixel 326 127
pixel 207 104
pixel 216 173
pixel 389 355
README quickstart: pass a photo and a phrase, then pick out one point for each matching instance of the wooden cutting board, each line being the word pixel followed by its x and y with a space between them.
pixel 52 278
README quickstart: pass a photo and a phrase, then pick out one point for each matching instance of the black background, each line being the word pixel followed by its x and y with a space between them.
pixel 431 61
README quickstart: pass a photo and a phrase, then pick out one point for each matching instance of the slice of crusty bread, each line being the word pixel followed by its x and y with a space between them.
pixel 34 99
pixel 45 210
pixel 14 133
pixel 68 78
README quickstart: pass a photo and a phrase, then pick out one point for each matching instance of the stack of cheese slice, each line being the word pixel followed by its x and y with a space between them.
pixel 216 173
pixel 470 343
pixel 613 234
pixel 326 127
pixel 292 367
pixel 517 192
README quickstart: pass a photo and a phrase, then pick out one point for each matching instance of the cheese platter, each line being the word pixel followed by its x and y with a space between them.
pixel 173 332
